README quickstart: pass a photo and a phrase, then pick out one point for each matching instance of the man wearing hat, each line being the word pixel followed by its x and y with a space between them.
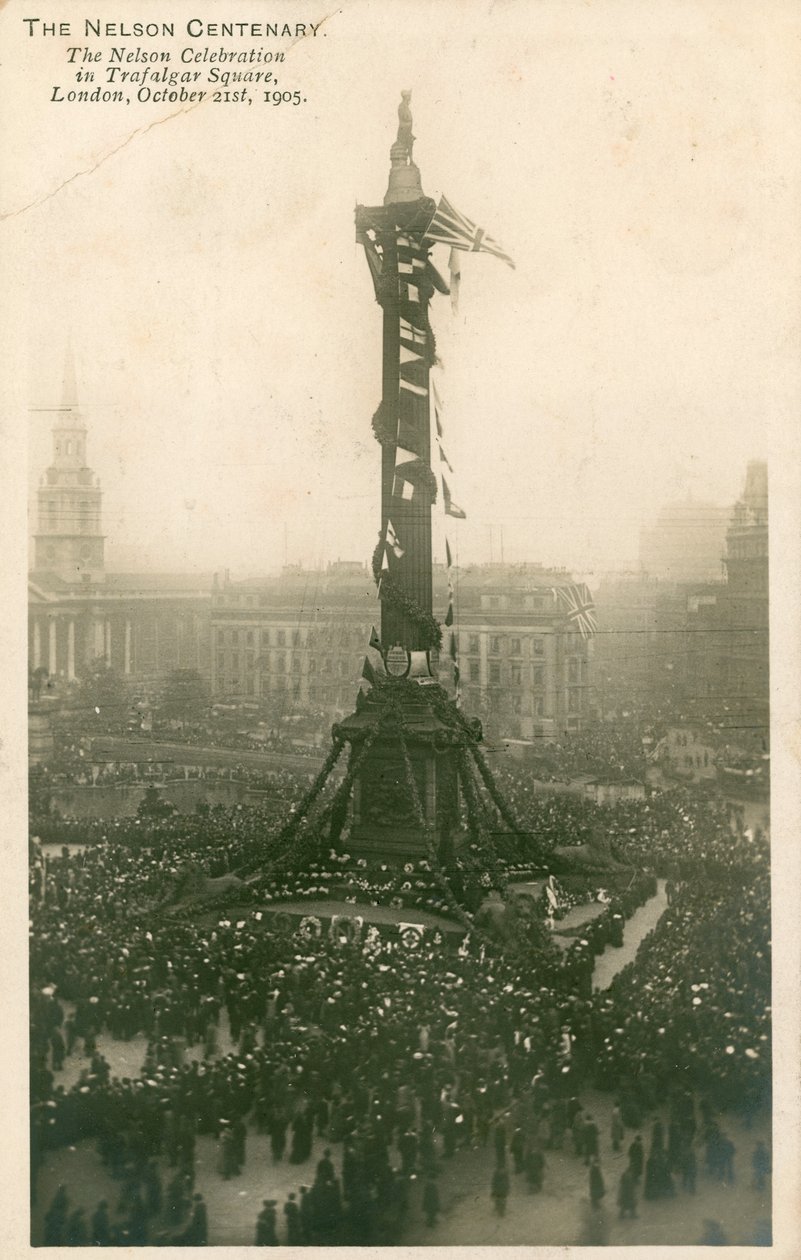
pixel 196 1233
pixel 293 1227
pixel 266 1233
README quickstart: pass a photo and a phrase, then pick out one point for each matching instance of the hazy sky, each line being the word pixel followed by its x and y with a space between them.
pixel 225 333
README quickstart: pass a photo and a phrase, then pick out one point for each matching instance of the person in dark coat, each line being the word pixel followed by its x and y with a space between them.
pixel 760 1163
pixel 306 1208
pixel 328 1209
pixel 325 1167
pixel 500 1188
pixel 240 1134
pixel 137 1222
pixel 154 1197
pixel 293 1229
pixel 266 1232
pixel 196 1233
pixel 517 1148
pixel 636 1157
pixel 618 1131
pixel 658 1181
pixel 726 1149
pixel 77 1235
pixel 302 1132
pixel 499 1139
pixel 431 1205
pixel 278 1137
pixel 58 1049
pixel 627 1195
pixel 597 1187
pixel 713 1235
pixel 56 1218
pixel 227 1165
pixel 178 1198
pixel 577 1129
pixel 407 1145
pixel 688 1167
pixel 590 1140
pixel 101 1226
pixel 535 1168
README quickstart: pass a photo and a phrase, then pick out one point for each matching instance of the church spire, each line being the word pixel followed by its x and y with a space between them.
pixel 71 416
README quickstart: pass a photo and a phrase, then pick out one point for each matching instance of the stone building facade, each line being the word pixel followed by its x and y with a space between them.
pixel 143 625
pixel 298 642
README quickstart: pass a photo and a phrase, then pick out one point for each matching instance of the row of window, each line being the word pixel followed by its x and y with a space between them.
pixel 497 641
pixel 326 636
pixel 281 664
pixel 515 674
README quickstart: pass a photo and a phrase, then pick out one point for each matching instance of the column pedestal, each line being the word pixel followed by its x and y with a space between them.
pixel 384 821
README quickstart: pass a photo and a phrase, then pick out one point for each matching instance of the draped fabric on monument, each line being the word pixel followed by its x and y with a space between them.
pixel 416 782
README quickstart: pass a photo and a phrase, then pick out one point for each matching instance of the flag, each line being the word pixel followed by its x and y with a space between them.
pixel 375 642
pixel 417 335
pixel 451 508
pixel 368 673
pixel 436 279
pixel 384 560
pixel 402 489
pixel 408 292
pixel 449 614
pixel 579 608
pixel 409 356
pixel 450 227
pixel 438 408
pixel 443 456
pixel 420 390
pixel 409 437
pixel 455 268
pixel 409 268
pixel 404 456
pixel 456 671
pixel 404 242
pixel 448 556
pixel 393 542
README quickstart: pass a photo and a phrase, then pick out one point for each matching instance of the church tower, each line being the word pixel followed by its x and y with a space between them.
pixel 68 540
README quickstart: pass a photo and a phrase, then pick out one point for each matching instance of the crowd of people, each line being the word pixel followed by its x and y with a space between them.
pixel 381 1047
pixel 86 773
pixel 612 751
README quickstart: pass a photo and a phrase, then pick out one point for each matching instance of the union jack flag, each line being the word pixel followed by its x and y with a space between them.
pixel 449 227
pixel 579 608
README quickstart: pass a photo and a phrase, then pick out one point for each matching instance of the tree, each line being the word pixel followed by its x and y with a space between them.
pixel 185 695
pixel 152 806
pixel 40 802
pixel 104 693
pixel 36 681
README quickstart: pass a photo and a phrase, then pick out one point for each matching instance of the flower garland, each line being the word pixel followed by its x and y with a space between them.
pixel 305 803
pixel 392 592
pixel 310 840
pixel 384 425
pixel 485 850
pixel 461 914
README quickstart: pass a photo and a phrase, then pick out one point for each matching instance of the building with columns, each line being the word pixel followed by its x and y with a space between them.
pixel 142 624
pixel 297 642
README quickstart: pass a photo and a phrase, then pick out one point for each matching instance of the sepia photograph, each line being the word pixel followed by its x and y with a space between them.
pixel 403 421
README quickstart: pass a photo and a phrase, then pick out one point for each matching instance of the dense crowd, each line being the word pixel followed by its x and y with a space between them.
pixel 86 773
pixel 604 750
pixel 396 1054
